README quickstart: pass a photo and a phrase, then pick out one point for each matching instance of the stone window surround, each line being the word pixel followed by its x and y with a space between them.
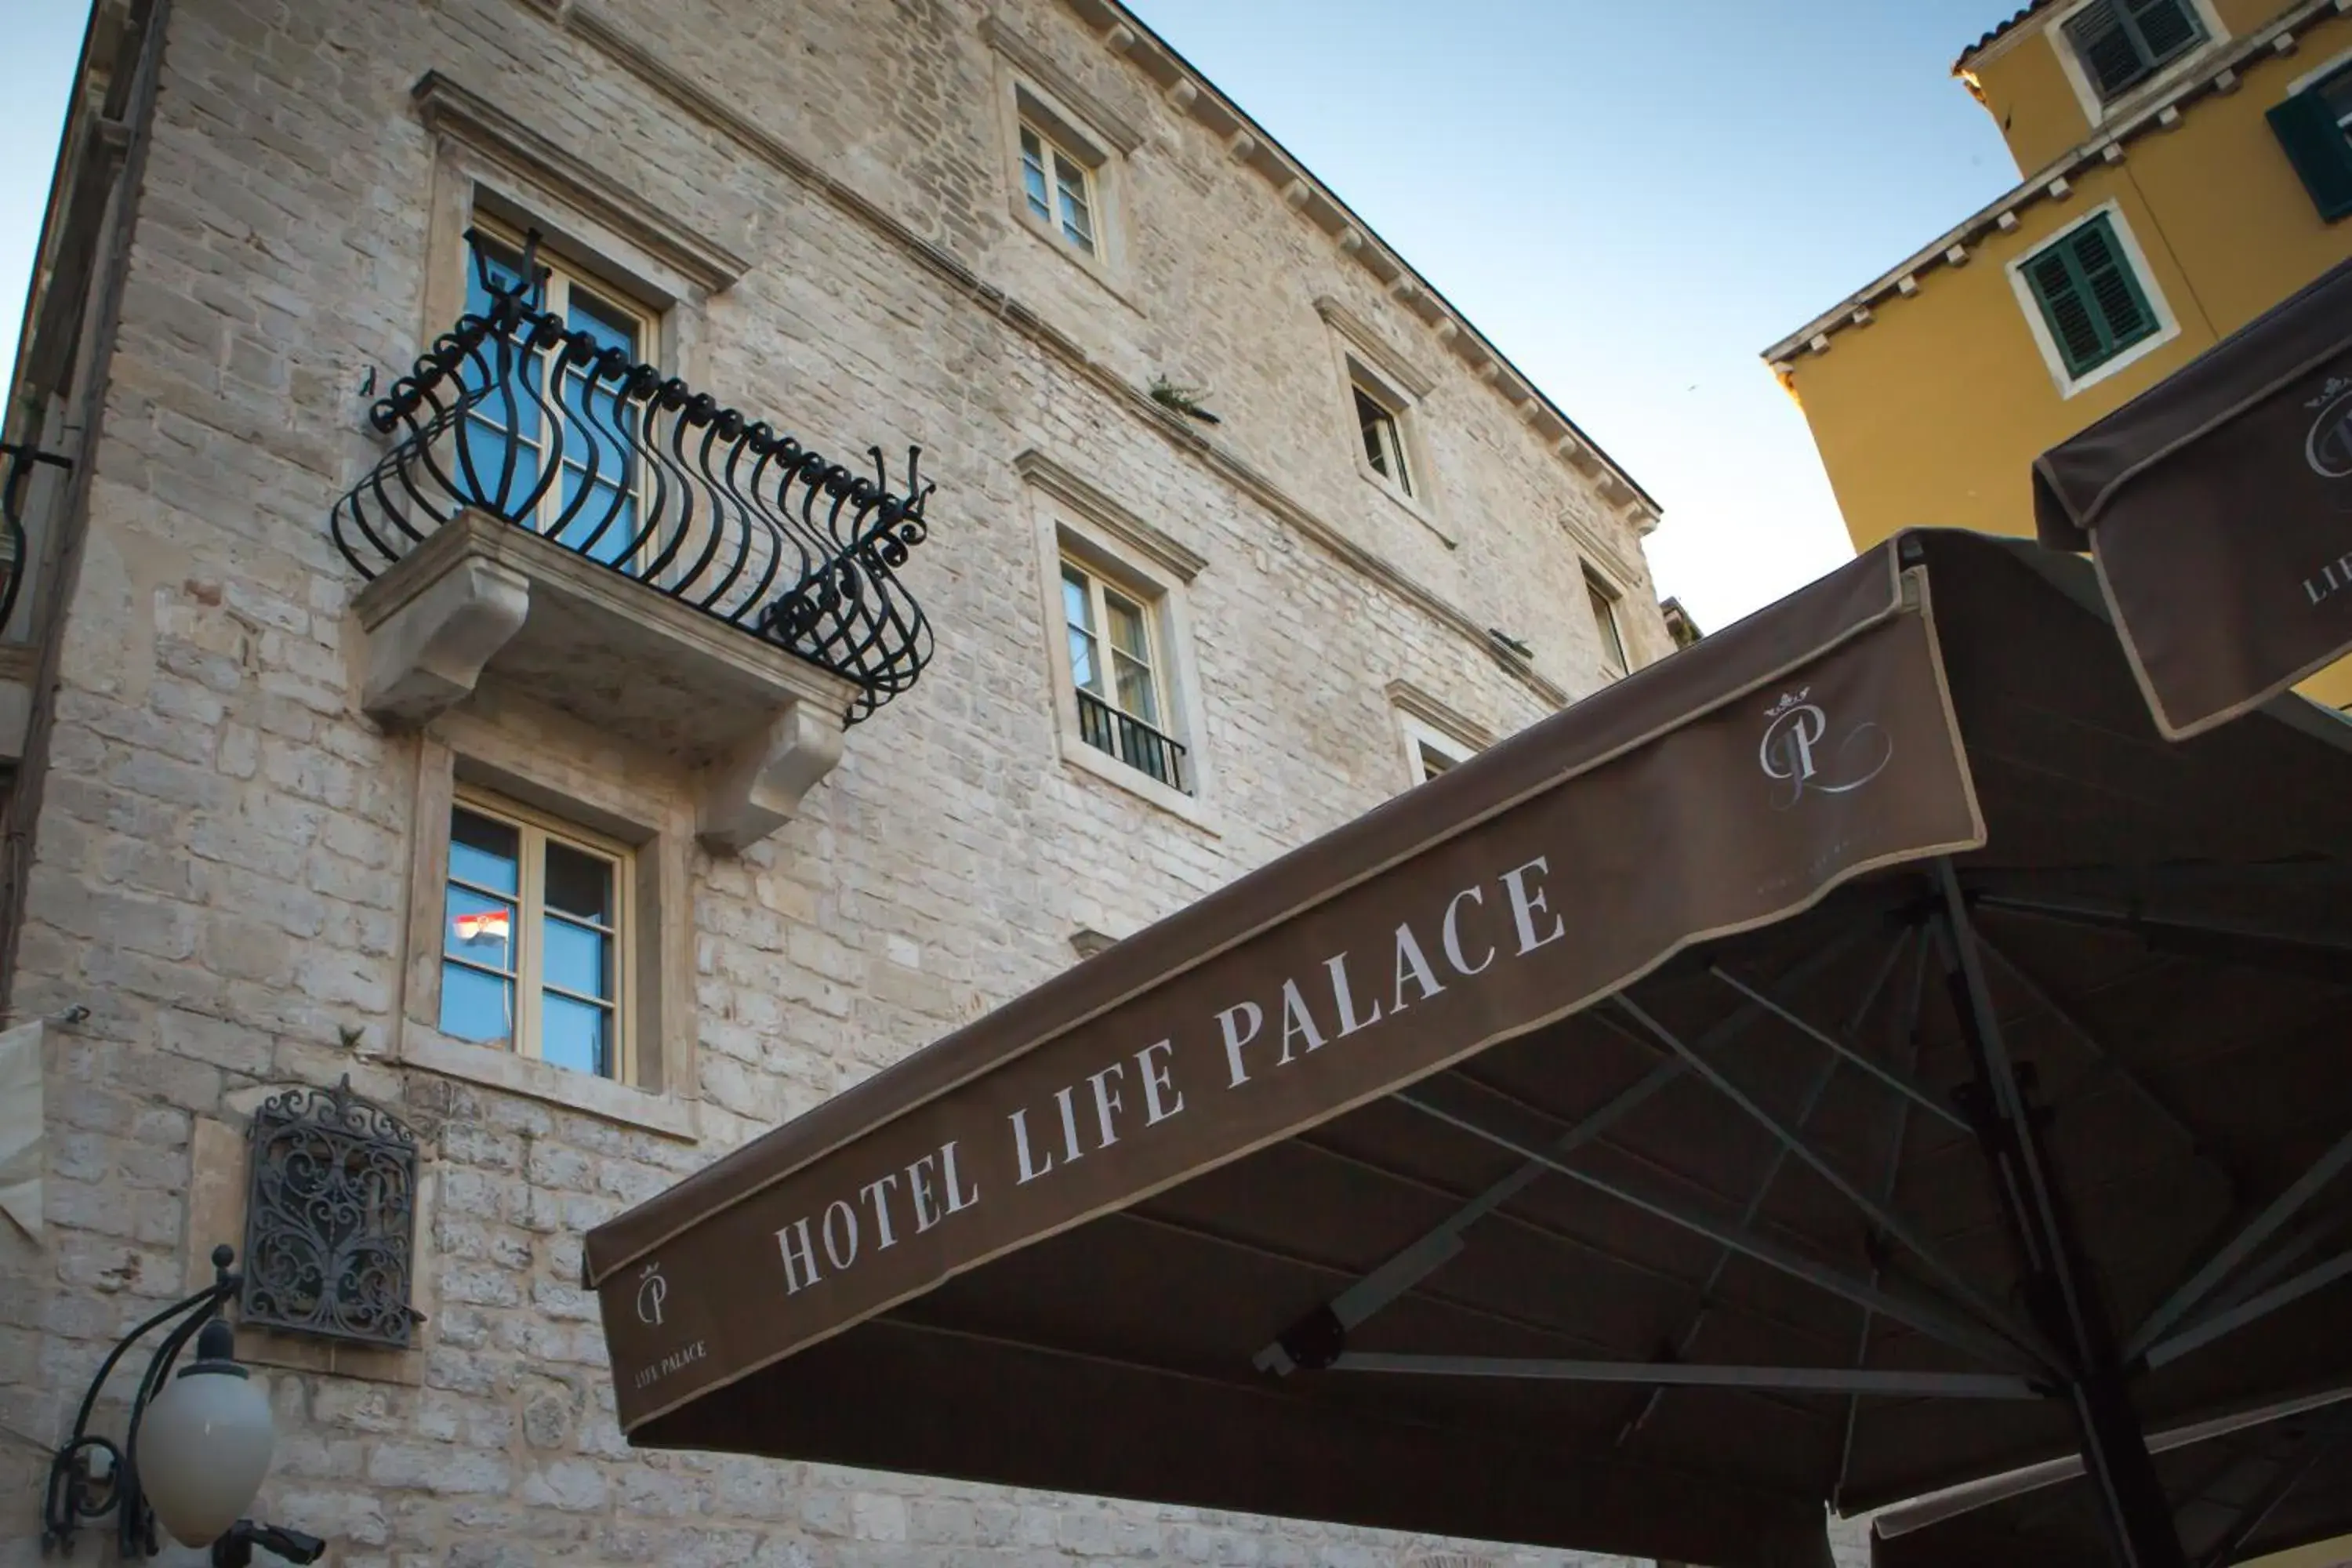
pixel 1397 384
pixel 473 745
pixel 1077 521
pixel 1029 86
pixel 488 162
pixel 2168 324
pixel 1424 719
pixel 2097 113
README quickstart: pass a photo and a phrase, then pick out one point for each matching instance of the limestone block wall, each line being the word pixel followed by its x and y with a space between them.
pixel 220 870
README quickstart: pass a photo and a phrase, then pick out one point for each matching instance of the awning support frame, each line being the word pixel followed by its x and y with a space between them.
pixel 1684 1375
pixel 2055 1268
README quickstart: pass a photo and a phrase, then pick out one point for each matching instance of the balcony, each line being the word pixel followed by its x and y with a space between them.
pixel 604 539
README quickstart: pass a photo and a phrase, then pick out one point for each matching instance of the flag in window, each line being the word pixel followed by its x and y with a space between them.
pixel 487 925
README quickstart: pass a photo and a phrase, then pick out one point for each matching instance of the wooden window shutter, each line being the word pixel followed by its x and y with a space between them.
pixel 2107 48
pixel 2064 306
pixel 2316 145
pixel 2108 276
pixel 2166 26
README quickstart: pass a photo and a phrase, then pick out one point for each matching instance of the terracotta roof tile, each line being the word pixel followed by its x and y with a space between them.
pixel 2026 13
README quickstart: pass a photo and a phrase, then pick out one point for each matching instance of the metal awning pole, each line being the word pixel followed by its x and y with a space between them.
pixel 2059 1281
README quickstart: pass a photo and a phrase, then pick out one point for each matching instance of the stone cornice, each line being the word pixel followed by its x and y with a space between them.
pixel 1034 63
pixel 1248 142
pixel 1439 715
pixel 2221 75
pixel 1169 554
pixel 473 121
pixel 1410 377
pixel 992 302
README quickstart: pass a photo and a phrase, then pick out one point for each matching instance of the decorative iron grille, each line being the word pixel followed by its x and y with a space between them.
pixel 13 562
pixel 331 1218
pixel 659 482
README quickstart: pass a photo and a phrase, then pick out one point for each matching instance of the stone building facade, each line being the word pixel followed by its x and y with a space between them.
pixel 991 229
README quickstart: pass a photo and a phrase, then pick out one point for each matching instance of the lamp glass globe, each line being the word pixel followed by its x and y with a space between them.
pixel 203 1448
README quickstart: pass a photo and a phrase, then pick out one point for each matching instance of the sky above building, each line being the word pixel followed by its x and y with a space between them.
pixel 1632 199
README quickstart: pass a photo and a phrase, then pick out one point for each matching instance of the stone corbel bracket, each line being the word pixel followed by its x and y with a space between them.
pixel 482 598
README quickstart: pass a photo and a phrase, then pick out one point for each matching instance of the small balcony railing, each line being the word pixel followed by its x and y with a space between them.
pixel 1132 741
pixel 638 471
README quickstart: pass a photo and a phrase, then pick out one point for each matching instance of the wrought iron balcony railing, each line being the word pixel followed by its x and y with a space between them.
pixel 516 415
pixel 1132 741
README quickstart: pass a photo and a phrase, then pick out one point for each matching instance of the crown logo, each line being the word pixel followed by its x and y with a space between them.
pixel 1788 699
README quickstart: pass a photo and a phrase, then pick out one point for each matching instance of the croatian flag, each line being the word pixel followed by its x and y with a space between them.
pixel 489 925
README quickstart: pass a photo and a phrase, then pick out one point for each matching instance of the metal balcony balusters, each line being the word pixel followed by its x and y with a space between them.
pixel 659 482
pixel 1132 741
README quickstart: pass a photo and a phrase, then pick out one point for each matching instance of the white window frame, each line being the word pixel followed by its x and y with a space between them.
pixel 535 830
pixel 1366 363
pixel 1423 740
pixel 562 275
pixel 2086 91
pixel 1064 125
pixel 1052 160
pixel 2168 324
pixel 1100 584
pixel 2319 73
pixel 1598 588
pixel 1078 522
pixel 560 771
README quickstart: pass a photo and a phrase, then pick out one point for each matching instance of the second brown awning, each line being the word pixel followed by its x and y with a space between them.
pixel 2218 506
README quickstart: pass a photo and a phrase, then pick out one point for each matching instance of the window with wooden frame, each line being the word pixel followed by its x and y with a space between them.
pixel 1058 187
pixel 2122 43
pixel 535 934
pixel 1384 439
pixel 2090 296
pixel 582 413
pixel 1119 667
pixel 1604 600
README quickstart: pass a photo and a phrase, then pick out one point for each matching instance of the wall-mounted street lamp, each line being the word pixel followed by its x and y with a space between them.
pixel 195 1453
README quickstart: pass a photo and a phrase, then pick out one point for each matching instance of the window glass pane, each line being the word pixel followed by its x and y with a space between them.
pixel 576 958
pixel 575 1034
pixel 607 323
pixel 1432 762
pixel 579 883
pixel 476 1006
pixel 1127 632
pixel 1372 420
pixel 1033 174
pixel 1077 215
pixel 1077 606
pixel 1604 616
pixel 1136 693
pixel 483 852
pixel 599 523
pixel 481 929
pixel 1085 670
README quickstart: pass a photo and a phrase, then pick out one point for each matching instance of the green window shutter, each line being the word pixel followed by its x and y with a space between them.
pixel 2090 298
pixel 2114 291
pixel 2315 145
pixel 2166 28
pixel 2105 48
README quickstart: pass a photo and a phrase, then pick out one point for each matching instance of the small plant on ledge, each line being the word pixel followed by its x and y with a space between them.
pixel 1182 399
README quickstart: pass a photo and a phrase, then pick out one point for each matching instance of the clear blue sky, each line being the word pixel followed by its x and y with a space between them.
pixel 1630 197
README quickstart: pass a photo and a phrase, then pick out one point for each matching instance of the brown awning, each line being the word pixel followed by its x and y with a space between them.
pixel 2241 1486
pixel 1184 1223
pixel 2218 506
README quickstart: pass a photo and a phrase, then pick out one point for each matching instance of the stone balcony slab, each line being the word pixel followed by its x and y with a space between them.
pixel 483 599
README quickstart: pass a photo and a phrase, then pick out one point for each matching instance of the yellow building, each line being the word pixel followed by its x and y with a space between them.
pixel 2185 165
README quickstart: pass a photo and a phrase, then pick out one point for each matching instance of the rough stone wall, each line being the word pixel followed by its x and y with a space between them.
pixel 220 868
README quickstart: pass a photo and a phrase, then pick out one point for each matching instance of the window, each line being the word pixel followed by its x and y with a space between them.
pixel 1058 187
pixel 1383 447
pixel 603 524
pixel 2122 43
pixel 534 925
pixel 1604 600
pixel 2315 126
pixel 2090 296
pixel 1117 667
